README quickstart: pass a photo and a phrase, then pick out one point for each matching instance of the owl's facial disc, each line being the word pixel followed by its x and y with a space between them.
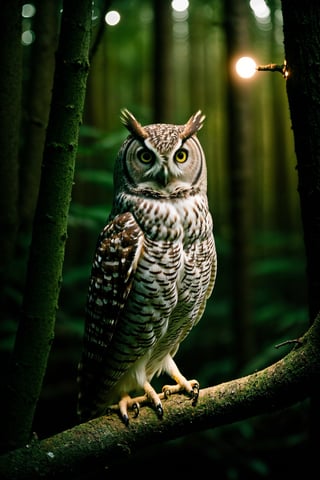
pixel 163 163
pixel 164 168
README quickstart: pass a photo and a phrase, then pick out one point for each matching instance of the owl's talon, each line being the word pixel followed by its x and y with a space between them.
pixel 195 389
pixel 195 395
pixel 136 409
pixel 125 420
pixel 159 410
pixel 195 392
pixel 166 392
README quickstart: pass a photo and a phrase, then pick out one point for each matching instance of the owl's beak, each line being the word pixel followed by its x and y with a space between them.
pixel 163 176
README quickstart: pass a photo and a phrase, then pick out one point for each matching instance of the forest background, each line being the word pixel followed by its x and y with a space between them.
pixel 163 65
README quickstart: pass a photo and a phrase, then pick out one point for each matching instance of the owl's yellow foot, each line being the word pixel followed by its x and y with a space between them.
pixel 154 398
pixel 127 403
pixel 190 386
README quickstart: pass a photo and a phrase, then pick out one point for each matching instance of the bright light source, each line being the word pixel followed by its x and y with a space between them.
pixel 246 67
pixel 180 5
pixel 112 18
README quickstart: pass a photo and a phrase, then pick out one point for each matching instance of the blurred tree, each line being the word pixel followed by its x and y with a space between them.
pixel 10 115
pixel 37 103
pixel 162 62
pixel 279 195
pixel 240 138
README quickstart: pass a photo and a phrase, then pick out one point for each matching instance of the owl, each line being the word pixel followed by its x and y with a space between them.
pixel 153 270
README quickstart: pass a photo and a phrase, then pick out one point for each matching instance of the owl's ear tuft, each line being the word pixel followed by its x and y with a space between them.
pixel 193 125
pixel 132 124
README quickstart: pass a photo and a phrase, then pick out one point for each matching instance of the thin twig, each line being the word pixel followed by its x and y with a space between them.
pixel 274 67
pixel 297 341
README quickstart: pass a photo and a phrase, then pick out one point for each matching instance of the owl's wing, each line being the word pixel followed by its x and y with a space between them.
pixel 118 250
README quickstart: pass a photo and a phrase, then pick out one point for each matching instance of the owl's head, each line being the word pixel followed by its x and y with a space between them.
pixel 161 159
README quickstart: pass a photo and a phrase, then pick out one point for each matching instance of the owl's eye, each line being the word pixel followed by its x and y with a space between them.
pixel 181 155
pixel 145 156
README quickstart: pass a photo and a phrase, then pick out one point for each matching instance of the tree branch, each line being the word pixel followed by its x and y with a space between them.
pixel 100 443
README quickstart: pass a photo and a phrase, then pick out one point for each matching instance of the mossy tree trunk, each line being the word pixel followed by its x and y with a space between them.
pixel 36 328
pixel 302 47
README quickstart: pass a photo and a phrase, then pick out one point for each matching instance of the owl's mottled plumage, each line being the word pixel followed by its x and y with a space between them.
pixel 153 270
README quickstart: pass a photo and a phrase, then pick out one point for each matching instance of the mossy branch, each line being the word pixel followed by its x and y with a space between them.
pixel 101 443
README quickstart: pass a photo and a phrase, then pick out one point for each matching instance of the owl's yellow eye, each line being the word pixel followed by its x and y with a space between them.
pixel 145 156
pixel 181 155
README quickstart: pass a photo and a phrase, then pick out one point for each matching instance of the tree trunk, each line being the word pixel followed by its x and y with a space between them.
pixel 302 46
pixel 36 328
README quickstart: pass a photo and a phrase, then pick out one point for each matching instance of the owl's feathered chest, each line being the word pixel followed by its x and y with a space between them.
pixel 173 275
pixel 185 220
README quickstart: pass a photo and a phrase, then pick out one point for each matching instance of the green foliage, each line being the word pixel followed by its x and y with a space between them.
pixel 94 142
pixel 98 177
pixel 87 216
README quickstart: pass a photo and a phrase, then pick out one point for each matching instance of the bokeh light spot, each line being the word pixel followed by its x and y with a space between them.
pixel 112 18
pixel 28 10
pixel 180 5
